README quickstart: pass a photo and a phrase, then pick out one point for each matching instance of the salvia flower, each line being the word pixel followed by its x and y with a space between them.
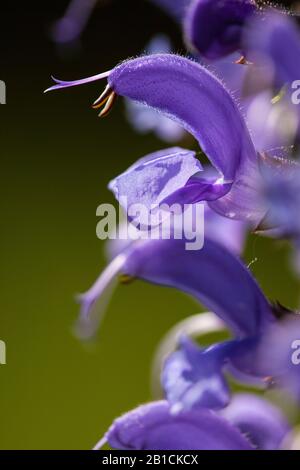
pixel 249 423
pixel 192 96
pixel 154 427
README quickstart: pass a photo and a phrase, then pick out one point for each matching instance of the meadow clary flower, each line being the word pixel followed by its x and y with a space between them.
pixel 214 28
pixel 192 96
pixel 153 427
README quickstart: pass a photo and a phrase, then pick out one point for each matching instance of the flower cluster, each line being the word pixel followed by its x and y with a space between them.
pixel 235 95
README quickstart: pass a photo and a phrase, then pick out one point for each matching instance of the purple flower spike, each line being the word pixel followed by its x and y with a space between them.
pixel 263 423
pixel 153 427
pixel 214 27
pixel 192 377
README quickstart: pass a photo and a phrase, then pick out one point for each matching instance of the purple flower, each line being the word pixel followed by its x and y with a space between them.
pixel 192 377
pixel 281 190
pixel 273 123
pixel 153 427
pixel 69 28
pixel 260 421
pixel 176 8
pixel 188 93
pixel 214 28
pixel 279 353
pixel 275 43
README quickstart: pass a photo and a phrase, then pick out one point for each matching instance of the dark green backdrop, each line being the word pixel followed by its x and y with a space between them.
pixel 57 158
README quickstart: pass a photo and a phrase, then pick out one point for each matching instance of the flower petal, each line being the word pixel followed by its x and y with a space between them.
pixel 263 423
pixel 153 427
pixel 155 177
pixel 192 377
pixel 279 354
pixel 275 42
pixel 212 275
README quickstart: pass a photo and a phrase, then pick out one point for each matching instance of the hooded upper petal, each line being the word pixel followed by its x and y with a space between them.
pixel 214 27
pixel 153 427
pixel 192 96
pixel 262 422
pixel 212 275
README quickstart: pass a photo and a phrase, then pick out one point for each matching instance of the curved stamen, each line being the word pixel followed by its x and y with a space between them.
pixel 103 97
pixel 109 104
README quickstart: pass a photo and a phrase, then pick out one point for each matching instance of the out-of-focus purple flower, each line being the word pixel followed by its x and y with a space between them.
pixel 260 421
pixel 176 8
pixel 214 28
pixel 70 27
pixel 146 120
pixel 154 427
pixel 279 353
pixel 273 123
pixel 275 43
pixel 281 191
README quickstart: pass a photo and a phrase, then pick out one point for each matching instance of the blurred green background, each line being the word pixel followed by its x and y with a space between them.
pixel 57 158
